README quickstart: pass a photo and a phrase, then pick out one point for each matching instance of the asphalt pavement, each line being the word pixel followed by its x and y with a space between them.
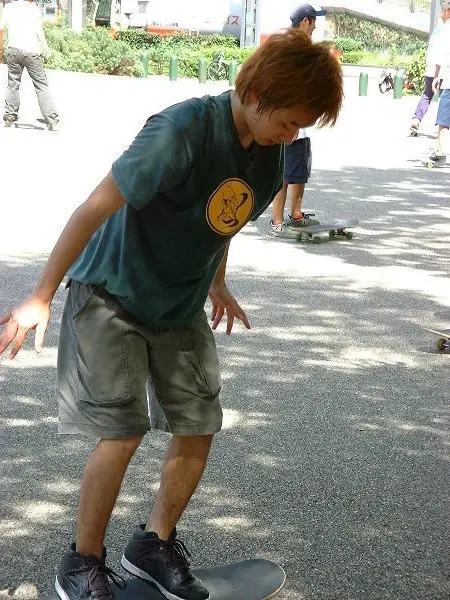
pixel 334 459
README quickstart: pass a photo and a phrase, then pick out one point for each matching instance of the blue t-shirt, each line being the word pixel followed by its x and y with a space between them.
pixel 189 186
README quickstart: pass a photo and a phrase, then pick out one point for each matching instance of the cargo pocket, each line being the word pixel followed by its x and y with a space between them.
pixel 199 349
pixel 105 350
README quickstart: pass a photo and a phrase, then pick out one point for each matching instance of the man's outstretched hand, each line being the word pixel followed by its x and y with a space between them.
pixel 224 302
pixel 31 314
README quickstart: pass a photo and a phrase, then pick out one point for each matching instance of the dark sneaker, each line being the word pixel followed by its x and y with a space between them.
pixel 436 157
pixel 82 577
pixel 163 563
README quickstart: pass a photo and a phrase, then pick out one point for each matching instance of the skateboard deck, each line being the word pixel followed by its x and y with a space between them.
pixel 443 342
pixel 334 229
pixel 255 579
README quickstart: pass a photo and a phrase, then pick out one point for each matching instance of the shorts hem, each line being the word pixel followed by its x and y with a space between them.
pixel 102 432
pixel 289 180
pixel 195 430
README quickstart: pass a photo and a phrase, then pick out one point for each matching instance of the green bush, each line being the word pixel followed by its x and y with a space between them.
pixel 138 38
pixel 188 58
pixel 375 37
pixel 353 58
pixel 347 44
pixel 416 72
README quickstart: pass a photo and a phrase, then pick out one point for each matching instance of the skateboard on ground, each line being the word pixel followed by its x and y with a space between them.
pixel 441 161
pixel 443 342
pixel 335 229
pixel 254 579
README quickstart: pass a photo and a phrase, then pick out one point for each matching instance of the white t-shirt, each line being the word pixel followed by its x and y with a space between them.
pixel 433 46
pixel 443 56
pixel 23 20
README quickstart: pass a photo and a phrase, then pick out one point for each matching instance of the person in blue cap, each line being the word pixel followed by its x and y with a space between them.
pixel 298 158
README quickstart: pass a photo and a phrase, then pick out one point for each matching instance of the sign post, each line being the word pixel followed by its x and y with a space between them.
pixel 250 23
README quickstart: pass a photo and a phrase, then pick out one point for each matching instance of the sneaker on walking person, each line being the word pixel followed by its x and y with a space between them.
pixel 303 220
pixel 164 563
pixel 82 577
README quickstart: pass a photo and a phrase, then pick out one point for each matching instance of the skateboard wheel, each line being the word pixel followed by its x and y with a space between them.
pixel 300 238
pixel 430 164
pixel 332 234
pixel 441 344
pixel 316 239
pixel 348 235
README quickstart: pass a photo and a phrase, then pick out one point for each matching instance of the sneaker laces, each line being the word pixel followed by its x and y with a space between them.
pixel 97 582
pixel 178 556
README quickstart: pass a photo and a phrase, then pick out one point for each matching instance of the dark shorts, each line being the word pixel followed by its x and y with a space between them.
pixel 297 161
pixel 443 115
pixel 118 378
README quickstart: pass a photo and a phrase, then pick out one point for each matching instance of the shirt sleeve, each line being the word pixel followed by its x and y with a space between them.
pixel 442 55
pixel 157 161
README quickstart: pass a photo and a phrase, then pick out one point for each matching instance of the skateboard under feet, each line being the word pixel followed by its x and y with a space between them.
pixel 254 579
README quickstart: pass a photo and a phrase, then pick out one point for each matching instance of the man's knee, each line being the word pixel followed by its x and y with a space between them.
pixel 122 448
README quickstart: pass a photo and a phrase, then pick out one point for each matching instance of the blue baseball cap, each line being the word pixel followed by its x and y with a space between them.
pixel 305 11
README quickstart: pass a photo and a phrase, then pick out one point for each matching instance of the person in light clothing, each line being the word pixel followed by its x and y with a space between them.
pixel 26 44
pixel 427 96
pixel 442 73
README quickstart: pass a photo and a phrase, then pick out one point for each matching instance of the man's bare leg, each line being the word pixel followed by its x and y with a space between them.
pixel 296 191
pixel 442 140
pixel 278 204
pixel 182 469
pixel 102 479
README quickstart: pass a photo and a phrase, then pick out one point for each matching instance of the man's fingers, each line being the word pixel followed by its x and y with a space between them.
pixel 5 318
pixel 18 341
pixel 218 317
pixel 39 337
pixel 8 335
pixel 230 321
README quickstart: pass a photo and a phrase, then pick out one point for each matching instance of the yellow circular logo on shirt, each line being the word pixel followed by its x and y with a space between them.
pixel 229 206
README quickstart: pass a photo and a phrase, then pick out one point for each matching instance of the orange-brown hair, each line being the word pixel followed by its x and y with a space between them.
pixel 290 70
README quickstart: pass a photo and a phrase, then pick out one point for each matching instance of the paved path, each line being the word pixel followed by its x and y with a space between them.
pixel 335 456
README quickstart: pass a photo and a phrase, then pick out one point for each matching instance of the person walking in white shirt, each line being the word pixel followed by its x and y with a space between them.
pixel 442 72
pixel 26 43
pixel 427 96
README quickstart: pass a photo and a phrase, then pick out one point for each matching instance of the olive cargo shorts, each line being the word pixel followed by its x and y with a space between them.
pixel 118 378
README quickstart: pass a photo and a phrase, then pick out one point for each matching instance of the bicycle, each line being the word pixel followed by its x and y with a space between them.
pixel 217 69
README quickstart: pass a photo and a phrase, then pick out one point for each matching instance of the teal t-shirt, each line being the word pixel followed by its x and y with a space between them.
pixel 189 186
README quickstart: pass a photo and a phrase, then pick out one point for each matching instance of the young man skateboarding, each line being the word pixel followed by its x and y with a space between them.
pixel 142 254
pixel 26 43
pixel 298 157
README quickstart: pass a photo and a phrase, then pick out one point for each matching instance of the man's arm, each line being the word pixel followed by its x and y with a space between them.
pixel 42 39
pixel 2 30
pixel 34 313
pixel 223 301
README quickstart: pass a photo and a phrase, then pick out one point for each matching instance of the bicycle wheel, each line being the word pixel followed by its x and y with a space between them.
pixel 216 71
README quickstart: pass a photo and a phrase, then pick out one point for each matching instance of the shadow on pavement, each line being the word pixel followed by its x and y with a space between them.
pixel 335 453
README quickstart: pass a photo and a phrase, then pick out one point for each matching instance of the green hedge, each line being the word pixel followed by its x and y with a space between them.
pixel 93 51
pixel 96 50
pixel 140 39
pixel 347 44
pixel 375 37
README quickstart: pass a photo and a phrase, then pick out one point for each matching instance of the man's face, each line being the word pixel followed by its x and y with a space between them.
pixel 307 26
pixel 278 126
